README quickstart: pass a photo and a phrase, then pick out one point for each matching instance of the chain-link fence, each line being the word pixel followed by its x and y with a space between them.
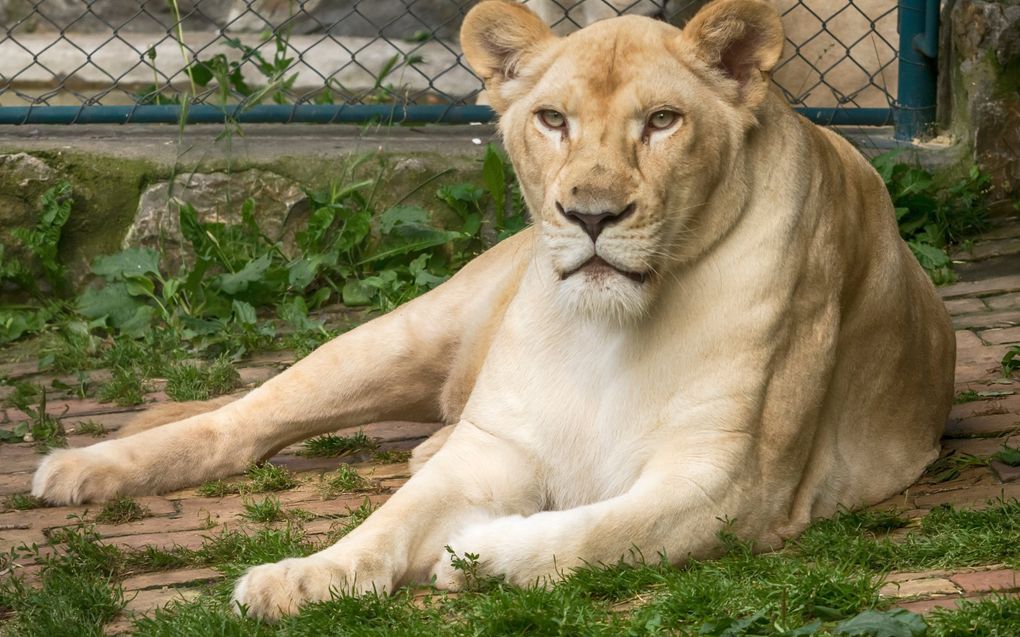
pixel 840 54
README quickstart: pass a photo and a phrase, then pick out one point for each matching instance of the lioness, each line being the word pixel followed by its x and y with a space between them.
pixel 712 321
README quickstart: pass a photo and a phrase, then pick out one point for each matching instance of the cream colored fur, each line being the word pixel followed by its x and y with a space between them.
pixel 776 353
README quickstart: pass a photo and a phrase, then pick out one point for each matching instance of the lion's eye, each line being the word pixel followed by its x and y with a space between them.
pixel 661 120
pixel 552 119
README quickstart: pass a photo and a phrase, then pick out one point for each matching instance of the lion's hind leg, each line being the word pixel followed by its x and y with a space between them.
pixel 166 413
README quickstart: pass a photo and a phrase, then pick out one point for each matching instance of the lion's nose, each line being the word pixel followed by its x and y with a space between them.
pixel 593 223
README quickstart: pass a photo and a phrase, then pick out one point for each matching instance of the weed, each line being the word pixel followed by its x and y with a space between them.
pixel 188 381
pixel 1011 360
pixel 260 479
pixel 217 488
pixel 121 511
pixel 151 558
pixel 331 445
pixel 391 456
pixel 125 388
pixel 353 520
pixel 948 467
pixel 344 480
pixel 267 510
pixel 934 211
pixel 90 428
pixel 1008 456
pixel 269 477
pixel 966 396
pixel 41 427
pixel 22 502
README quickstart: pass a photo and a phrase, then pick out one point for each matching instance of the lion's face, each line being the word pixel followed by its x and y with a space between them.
pixel 620 133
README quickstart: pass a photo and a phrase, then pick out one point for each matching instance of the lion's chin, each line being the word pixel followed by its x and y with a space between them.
pixel 604 295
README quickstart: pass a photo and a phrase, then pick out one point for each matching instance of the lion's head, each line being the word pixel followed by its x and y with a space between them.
pixel 621 134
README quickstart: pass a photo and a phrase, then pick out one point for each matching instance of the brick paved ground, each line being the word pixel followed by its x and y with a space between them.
pixel 985 306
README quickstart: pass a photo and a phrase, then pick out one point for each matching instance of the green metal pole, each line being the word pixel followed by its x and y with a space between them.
pixel 919 30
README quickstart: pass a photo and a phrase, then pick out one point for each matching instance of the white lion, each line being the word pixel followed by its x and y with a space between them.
pixel 712 321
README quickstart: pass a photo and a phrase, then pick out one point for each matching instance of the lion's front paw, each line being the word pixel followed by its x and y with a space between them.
pixel 73 476
pixel 505 547
pixel 270 591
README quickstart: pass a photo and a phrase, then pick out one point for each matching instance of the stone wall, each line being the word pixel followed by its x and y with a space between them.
pixel 979 96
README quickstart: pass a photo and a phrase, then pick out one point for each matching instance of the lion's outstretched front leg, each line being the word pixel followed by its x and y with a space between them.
pixel 474 478
pixel 675 510
pixel 392 368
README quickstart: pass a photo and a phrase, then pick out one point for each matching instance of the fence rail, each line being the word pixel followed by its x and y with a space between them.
pixel 117 61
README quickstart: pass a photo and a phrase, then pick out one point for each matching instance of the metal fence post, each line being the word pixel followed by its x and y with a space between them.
pixel 919 35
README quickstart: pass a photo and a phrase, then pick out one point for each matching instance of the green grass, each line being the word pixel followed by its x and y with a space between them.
pixel 126 388
pixel 997 616
pixel 331 445
pixel 266 510
pixel 22 502
pixel 90 428
pixel 345 479
pixel 821 584
pixel 189 381
pixel 259 479
pixel 121 511
pixel 387 457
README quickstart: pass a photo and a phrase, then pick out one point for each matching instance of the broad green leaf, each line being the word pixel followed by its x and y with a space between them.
pixel 133 262
pixel 139 324
pixel 355 293
pixel 301 272
pixel 494 175
pixel 1008 455
pixel 402 216
pixel 140 286
pixel 112 301
pixel 430 240
pixel 244 312
pixel 930 257
pixel 892 623
pixel 250 273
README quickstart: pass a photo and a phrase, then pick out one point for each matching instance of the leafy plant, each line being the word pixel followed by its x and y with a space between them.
pixel 42 428
pixel 1011 360
pixel 41 242
pixel 934 211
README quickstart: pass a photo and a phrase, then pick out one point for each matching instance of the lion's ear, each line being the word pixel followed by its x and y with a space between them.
pixel 741 38
pixel 496 36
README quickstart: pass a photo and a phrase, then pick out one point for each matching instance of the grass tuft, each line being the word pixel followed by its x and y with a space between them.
pixel 22 502
pixel 391 457
pixel 90 428
pixel 125 388
pixel 188 381
pixel 266 511
pixel 345 479
pixel 332 445
pixel 260 479
pixel 121 511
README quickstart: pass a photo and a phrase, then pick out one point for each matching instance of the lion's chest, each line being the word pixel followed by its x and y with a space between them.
pixel 578 403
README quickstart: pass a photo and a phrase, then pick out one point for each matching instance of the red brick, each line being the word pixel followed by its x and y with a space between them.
pixel 165 579
pixel 1001 336
pixel 983 287
pixel 925 605
pixel 980 425
pixel 919 588
pixel 965 306
pixel 985 581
